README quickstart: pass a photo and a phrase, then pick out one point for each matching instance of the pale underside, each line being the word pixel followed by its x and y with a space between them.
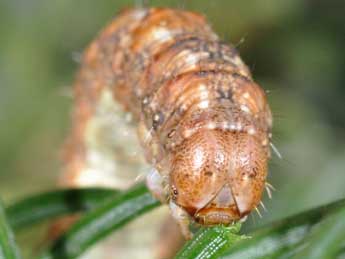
pixel 114 159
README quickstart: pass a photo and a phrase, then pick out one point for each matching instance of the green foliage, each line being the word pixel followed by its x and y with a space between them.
pixel 53 204
pixel 211 242
pixel 318 233
pixel 326 238
pixel 101 221
pixel 8 247
pixel 284 239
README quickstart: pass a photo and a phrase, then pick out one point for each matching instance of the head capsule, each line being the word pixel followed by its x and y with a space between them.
pixel 218 176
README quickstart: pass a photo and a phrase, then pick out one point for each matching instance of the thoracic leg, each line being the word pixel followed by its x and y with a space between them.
pixel 157 185
pixel 182 218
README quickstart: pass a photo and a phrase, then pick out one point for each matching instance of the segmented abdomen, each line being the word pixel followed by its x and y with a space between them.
pixel 161 64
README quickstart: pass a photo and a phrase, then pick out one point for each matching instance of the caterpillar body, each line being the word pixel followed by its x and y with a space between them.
pixel 203 123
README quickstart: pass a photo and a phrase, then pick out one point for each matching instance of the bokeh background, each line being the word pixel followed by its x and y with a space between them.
pixel 295 49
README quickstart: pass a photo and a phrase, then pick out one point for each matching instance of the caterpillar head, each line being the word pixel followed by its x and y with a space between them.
pixel 218 176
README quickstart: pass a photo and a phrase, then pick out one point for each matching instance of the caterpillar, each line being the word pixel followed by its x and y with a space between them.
pixel 203 123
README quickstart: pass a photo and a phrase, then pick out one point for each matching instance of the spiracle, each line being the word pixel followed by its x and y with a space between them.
pixel 203 123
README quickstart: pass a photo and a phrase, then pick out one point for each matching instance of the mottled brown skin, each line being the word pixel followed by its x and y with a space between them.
pixel 203 122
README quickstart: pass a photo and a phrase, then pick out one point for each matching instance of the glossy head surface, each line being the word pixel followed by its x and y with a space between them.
pixel 218 176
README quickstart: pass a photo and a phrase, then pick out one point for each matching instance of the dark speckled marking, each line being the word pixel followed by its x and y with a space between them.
pixel 157 119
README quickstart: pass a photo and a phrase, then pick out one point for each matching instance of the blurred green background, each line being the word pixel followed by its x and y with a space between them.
pixel 294 48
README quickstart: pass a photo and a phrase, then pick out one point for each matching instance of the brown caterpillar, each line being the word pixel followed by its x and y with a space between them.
pixel 204 124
